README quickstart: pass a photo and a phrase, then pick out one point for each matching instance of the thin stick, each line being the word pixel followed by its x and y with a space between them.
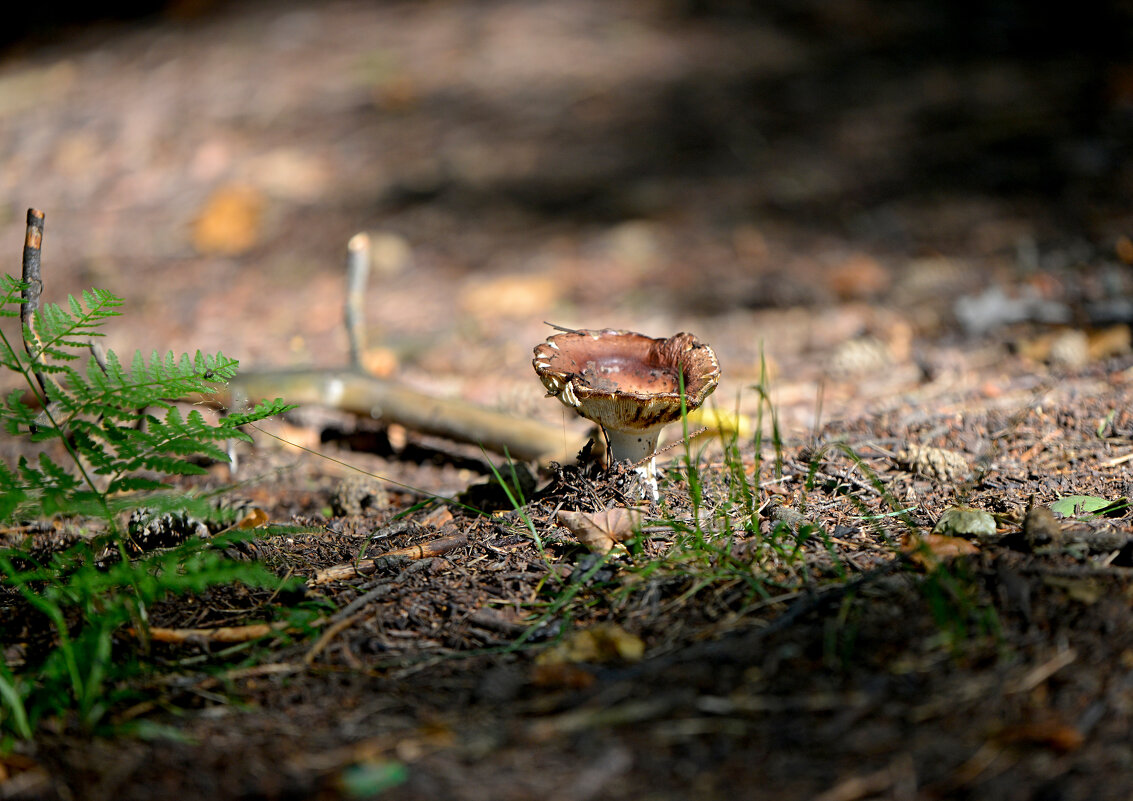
pixel 364 567
pixel 357 270
pixel 33 287
pixel 692 435
pixel 563 329
pixel 328 635
pixel 227 634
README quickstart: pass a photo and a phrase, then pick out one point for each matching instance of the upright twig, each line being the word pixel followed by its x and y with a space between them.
pixel 33 288
pixel 357 271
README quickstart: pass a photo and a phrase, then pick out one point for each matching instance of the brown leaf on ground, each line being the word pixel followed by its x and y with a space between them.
pixel 382 362
pixel 1105 343
pixel 1074 347
pixel 255 518
pixel 1083 590
pixel 229 223
pixel 22 777
pixel 1053 734
pixel 561 675
pixel 930 550
pixel 859 276
pixel 601 531
pixel 601 644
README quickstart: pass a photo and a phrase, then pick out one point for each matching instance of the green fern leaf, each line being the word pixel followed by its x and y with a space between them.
pixel 134 484
pixel 260 411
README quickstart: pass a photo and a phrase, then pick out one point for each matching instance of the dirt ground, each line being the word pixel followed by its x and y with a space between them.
pixel 911 218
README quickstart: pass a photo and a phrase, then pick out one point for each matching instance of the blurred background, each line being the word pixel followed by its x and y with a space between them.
pixel 867 195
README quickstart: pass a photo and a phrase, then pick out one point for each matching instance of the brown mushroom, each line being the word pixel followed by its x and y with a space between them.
pixel 629 384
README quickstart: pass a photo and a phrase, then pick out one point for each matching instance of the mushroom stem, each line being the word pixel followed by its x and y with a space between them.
pixel 635 446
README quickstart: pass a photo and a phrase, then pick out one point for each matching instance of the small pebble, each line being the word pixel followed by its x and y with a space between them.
pixel 964 521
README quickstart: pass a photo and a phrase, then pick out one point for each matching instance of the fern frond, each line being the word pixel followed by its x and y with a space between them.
pixel 55 327
pixel 134 484
pixel 260 411
pixel 17 414
pixel 124 434
pixel 11 294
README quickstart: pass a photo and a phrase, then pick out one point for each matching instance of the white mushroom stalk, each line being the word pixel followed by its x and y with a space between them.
pixel 635 447
pixel 630 385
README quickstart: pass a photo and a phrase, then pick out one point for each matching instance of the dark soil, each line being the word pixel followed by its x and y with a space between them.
pixel 911 218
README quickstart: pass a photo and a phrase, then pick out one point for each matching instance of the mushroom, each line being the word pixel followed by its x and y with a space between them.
pixel 629 384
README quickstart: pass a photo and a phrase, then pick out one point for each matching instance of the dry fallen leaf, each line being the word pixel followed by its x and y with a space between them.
pixel 561 675
pixel 255 518
pixel 599 644
pixel 1083 590
pixel 229 223
pixel 1115 340
pixel 601 531
pixel 1052 734
pixel 381 362
pixel 930 550
pixel 859 276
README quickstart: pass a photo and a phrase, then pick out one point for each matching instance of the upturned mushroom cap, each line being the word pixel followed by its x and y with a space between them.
pixel 625 381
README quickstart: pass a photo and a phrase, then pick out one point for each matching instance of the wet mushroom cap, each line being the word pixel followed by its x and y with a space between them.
pixel 622 380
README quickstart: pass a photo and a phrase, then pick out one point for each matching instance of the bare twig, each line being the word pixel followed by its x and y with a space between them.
pixel 357 270
pixel 384 588
pixel 33 288
pixel 899 777
pixel 1040 673
pixel 561 328
pixel 364 567
pixel 99 353
pixel 1118 460
pixel 33 243
pixel 325 639
pixel 225 634
pixel 682 441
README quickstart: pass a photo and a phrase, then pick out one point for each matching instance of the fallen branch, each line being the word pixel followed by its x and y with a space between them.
pixel 353 390
pixel 365 567
pixel 366 395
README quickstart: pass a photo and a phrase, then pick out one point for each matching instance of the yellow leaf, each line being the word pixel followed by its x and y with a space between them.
pixel 721 422
pixel 255 518
pixel 229 223
pixel 599 644
pixel 601 531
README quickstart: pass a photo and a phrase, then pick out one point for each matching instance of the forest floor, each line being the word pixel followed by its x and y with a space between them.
pixel 913 263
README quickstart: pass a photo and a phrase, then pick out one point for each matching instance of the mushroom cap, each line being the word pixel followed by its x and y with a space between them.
pixel 625 381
